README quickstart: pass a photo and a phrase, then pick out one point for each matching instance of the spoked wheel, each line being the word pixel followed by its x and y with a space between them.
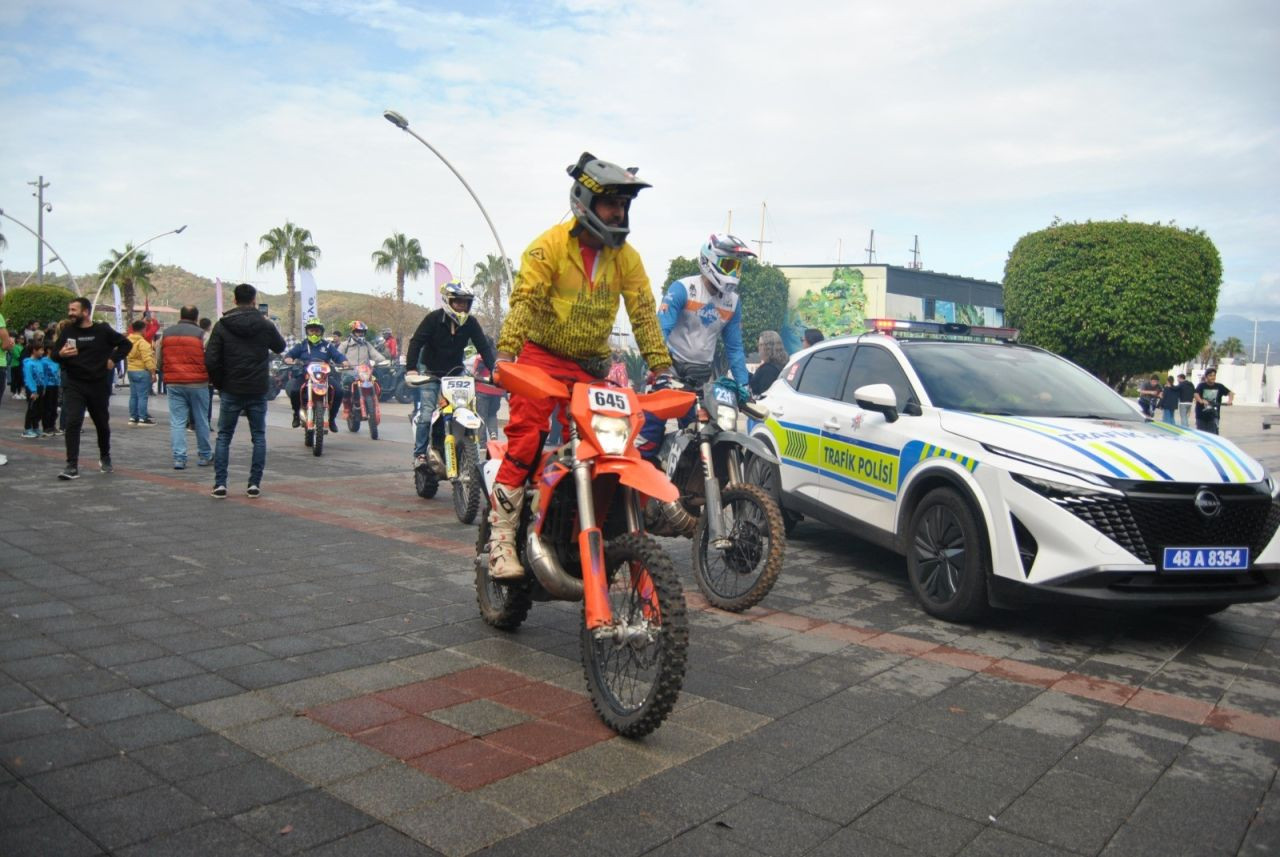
pixel 321 415
pixel 762 473
pixel 425 482
pixel 468 488
pixel 635 668
pixel 353 421
pixel 371 411
pixel 310 437
pixel 738 577
pixel 504 606
pixel 946 561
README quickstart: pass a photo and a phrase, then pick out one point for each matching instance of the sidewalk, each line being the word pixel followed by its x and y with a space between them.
pixel 306 673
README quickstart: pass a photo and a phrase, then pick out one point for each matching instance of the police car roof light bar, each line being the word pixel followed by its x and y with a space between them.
pixel 940 328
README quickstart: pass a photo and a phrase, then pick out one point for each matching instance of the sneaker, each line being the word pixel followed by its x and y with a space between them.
pixel 146 421
pixel 105 465
pixel 253 491
pixel 204 462
pixel 30 434
pixel 133 421
pixel 58 431
pixel 297 421
pixel 219 491
pixel 71 472
pixel 179 465
pixel 333 426
pixel 46 434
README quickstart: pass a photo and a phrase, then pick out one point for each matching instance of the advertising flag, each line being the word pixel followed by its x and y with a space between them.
pixel 310 304
pixel 443 275
pixel 217 296
pixel 115 296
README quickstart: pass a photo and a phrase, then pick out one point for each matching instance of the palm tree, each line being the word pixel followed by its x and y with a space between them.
pixel 292 246
pixel 404 256
pixel 489 280
pixel 133 276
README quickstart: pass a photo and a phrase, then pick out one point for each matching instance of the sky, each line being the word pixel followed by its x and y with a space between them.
pixel 967 124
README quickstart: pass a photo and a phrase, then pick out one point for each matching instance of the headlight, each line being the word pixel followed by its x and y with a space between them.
pixel 1050 488
pixel 611 433
pixel 1082 475
pixel 727 418
pixel 462 398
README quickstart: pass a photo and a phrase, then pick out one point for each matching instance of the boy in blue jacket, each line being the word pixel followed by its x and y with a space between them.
pixel 52 392
pixel 33 383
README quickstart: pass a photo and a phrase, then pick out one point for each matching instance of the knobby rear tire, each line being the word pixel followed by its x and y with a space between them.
pixel 613 670
pixel 371 414
pixel 737 579
pixel 503 606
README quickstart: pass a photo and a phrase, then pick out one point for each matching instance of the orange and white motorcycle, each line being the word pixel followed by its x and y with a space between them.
pixel 363 401
pixel 315 404
pixel 581 538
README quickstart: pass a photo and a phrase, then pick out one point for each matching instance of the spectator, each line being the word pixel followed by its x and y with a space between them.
pixel 1209 395
pixel 52 392
pixel 772 358
pixel 239 366
pixel 1169 400
pixel 488 396
pixel 1149 395
pixel 150 327
pixel 1186 398
pixel 33 383
pixel 6 342
pixel 89 352
pixel 141 365
pixel 812 336
pixel 180 356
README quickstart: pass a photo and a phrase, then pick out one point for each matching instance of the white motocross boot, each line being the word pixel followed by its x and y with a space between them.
pixel 505 505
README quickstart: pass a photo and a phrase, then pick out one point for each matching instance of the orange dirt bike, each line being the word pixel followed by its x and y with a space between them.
pixel 362 401
pixel 582 538
pixel 315 405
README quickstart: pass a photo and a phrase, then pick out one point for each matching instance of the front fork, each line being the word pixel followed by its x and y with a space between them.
pixel 714 509
pixel 595 582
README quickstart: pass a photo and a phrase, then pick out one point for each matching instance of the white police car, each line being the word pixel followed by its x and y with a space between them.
pixel 1004 472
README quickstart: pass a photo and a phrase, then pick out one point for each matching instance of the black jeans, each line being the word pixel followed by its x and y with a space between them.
pixel 78 398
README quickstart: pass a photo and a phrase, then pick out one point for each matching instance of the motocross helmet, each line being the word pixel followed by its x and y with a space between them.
pixel 452 292
pixel 593 179
pixel 314 328
pixel 359 329
pixel 721 260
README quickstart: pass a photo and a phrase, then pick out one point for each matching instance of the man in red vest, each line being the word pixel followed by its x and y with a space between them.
pixel 180 356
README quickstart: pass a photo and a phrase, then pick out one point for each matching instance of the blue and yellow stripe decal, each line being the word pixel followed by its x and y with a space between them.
pixel 868 467
pixel 1222 455
pixel 917 451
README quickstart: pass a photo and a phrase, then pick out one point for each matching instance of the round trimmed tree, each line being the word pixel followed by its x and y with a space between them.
pixel 45 304
pixel 1116 297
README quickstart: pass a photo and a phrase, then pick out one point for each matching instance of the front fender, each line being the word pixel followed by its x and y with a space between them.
pixel 638 474
pixel 753 445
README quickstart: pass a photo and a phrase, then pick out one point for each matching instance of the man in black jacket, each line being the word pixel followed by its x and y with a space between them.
pixel 89 352
pixel 239 367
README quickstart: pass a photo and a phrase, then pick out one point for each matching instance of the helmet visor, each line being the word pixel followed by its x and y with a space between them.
pixel 730 265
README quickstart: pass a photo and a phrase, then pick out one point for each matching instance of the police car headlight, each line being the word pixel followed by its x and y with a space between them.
pixel 1083 475
pixel 611 433
pixel 727 418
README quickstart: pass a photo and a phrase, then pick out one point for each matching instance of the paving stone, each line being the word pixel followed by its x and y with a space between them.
pixel 217 837
pixel 379 840
pixel 117 705
pixel 233 711
pixel 306 693
pixel 279 734
pixel 73 685
pixel 1190 808
pixel 266 673
pixel 965 796
pixel 332 760
pixel 227 656
pixel 52 835
pixel 138 816
pixel 479 717
pixel 993 842
pixel 195 689
pixel 390 789
pixel 541 793
pixel 1084 830
pixel 917 827
pixel 158 669
pixel 774 828
pixel 53 751
pixel 102 779
pixel 191 757
pixel 40 719
pixel 371 679
pixel 242 786
pixel 161 727
pixel 302 821
pixel 19 804
pixel 705 841
pixel 458 825
pixel 123 648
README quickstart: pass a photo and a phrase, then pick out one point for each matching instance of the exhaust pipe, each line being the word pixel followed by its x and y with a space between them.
pixel 558 583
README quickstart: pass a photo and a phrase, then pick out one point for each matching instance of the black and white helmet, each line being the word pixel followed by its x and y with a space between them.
pixel 594 178
pixel 721 260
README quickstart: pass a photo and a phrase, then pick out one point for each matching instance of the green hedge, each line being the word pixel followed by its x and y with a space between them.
pixel 45 304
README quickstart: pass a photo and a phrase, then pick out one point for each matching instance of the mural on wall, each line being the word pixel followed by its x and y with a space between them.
pixel 837 308
pixel 911 308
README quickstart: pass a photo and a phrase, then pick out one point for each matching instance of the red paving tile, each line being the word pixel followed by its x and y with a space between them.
pixel 900 645
pixel 583 719
pixel 424 696
pixel 847 633
pixel 542 741
pixel 1245 723
pixel 958 658
pixel 484 681
pixel 356 715
pixel 1101 689
pixel 539 698
pixel 410 737
pixel 472 764
pixel 793 621
pixel 1176 707
pixel 1025 673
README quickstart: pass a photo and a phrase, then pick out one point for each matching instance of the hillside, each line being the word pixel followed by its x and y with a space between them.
pixel 1241 328
pixel 176 287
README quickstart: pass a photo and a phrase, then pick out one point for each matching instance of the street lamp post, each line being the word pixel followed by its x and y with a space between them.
pixel 41 207
pixel 44 243
pixel 403 124
pixel 103 282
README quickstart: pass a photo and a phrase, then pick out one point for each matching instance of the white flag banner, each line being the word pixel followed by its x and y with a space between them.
pixel 217 296
pixel 115 295
pixel 310 303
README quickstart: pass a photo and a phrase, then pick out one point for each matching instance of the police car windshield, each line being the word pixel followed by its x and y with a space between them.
pixel 1008 379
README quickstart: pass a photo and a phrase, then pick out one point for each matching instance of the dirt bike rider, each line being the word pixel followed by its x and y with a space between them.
pixel 437 348
pixel 563 307
pixel 314 349
pixel 359 349
pixel 695 313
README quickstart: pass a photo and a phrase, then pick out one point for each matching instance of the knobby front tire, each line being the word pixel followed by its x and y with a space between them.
pixel 739 577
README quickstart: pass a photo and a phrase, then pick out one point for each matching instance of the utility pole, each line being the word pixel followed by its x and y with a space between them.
pixel 871 248
pixel 761 242
pixel 729 226
pixel 915 255
pixel 839 249
pixel 41 207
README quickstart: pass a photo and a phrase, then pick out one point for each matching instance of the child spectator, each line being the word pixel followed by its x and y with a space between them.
pixel 142 371
pixel 51 394
pixel 33 383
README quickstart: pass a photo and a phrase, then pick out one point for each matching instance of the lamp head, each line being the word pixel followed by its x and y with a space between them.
pixel 178 231
pixel 396 119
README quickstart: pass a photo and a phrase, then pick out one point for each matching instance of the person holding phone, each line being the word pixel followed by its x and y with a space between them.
pixel 89 352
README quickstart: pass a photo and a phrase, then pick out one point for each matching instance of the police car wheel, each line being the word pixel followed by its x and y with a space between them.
pixel 946 558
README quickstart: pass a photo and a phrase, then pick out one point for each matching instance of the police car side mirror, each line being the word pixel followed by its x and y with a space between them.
pixel 878 397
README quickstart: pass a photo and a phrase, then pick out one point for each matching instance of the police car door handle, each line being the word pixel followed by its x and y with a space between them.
pixel 831 423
